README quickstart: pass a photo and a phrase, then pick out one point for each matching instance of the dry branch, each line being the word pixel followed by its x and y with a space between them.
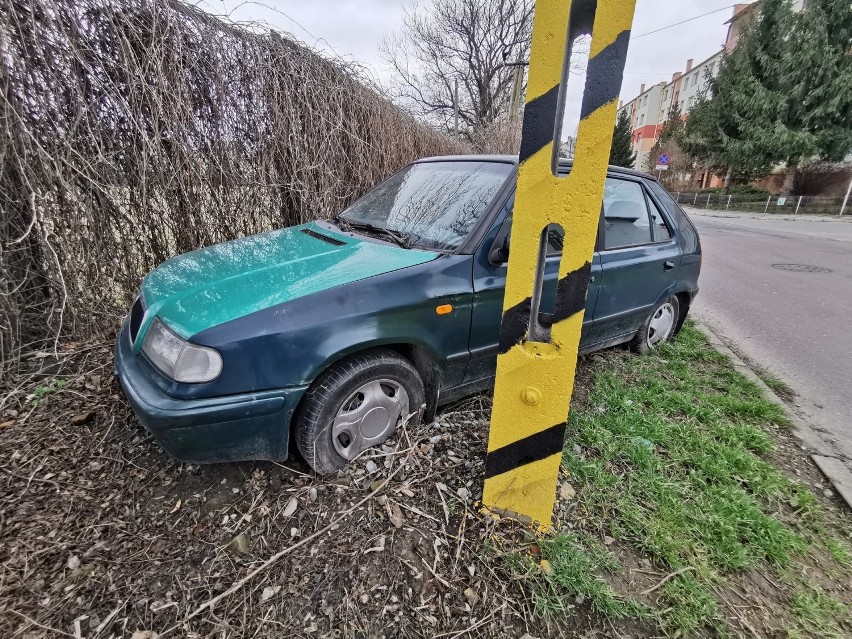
pixel 134 130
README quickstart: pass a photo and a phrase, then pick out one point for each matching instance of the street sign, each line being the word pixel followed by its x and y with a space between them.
pixel 781 201
pixel 662 167
pixel 537 353
pixel 664 159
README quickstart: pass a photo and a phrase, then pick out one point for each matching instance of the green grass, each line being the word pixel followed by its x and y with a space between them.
pixel 574 567
pixel 674 465
pixel 818 614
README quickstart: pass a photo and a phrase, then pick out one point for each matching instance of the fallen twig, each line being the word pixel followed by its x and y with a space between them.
pixel 274 558
pixel 665 579
pixel 42 626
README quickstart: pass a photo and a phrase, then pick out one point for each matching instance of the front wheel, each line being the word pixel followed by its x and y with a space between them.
pixel 660 326
pixel 354 405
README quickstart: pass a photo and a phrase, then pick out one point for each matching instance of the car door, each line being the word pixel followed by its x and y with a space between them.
pixel 638 258
pixel 489 283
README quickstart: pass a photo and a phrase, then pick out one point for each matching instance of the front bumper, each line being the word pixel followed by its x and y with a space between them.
pixel 243 427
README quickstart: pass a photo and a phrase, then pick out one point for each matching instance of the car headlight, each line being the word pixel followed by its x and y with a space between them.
pixel 178 359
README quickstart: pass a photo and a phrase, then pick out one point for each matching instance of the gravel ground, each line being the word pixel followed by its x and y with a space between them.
pixel 104 535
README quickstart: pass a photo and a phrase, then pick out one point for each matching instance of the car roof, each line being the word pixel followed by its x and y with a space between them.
pixel 513 159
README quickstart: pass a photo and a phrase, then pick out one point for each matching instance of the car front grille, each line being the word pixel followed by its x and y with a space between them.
pixel 137 314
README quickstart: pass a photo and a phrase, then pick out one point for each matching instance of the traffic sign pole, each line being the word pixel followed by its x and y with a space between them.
pixel 538 352
pixel 662 164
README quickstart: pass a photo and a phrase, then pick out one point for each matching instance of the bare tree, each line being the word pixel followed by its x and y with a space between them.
pixel 477 43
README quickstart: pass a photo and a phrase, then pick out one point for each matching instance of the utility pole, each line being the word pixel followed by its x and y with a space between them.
pixel 517 84
pixel 846 199
pixel 456 106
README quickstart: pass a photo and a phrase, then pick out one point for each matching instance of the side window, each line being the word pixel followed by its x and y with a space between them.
pixel 555 234
pixel 661 230
pixel 626 221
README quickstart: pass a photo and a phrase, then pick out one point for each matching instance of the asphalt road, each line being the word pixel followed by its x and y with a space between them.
pixel 797 325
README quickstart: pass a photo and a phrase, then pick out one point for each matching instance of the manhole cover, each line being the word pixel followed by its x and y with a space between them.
pixel 801 268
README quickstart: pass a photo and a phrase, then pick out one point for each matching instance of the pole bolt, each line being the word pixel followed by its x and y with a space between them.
pixel 531 396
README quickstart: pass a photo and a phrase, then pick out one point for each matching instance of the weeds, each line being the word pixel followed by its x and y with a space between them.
pixel 43 391
pixel 775 383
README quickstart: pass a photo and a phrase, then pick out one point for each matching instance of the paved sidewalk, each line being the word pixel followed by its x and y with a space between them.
pixel 692 210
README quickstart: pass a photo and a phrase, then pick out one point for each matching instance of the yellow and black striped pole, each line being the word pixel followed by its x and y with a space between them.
pixel 538 353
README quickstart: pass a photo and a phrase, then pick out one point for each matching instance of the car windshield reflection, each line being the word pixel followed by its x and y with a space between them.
pixel 433 205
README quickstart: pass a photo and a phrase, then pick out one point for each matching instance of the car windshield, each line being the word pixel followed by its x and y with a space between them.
pixel 433 205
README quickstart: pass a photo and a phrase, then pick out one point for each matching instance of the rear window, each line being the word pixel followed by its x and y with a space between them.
pixel 435 205
pixel 688 235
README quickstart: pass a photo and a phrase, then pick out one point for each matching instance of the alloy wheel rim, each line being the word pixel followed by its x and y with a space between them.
pixel 368 416
pixel 661 324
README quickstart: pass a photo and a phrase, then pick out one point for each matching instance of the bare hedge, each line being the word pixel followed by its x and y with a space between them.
pixel 133 130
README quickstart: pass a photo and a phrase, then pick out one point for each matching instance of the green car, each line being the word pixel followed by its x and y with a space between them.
pixel 334 331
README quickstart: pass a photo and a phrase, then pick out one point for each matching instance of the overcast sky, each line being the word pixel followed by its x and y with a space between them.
pixel 352 29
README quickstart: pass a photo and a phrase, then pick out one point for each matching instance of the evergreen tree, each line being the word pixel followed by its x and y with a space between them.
pixel 622 153
pixel 727 129
pixel 784 95
pixel 815 115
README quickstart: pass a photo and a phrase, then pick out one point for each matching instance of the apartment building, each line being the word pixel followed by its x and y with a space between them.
pixel 643 112
pixel 651 108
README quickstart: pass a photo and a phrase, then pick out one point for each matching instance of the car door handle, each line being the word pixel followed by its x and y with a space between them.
pixel 592 279
pixel 668 265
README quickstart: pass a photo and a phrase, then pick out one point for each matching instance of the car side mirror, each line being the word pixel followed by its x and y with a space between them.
pixel 499 253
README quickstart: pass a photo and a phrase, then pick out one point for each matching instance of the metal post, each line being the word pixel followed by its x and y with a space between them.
pixel 728 205
pixel 846 199
pixel 766 208
pixel 695 201
pixel 537 355
pixel 677 197
pixel 707 206
pixel 456 106
pixel 517 85
pixel 798 204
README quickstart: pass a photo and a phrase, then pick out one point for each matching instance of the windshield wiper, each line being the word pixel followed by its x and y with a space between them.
pixel 342 223
pixel 381 230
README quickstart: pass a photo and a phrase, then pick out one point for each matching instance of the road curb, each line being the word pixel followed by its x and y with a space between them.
pixel 831 466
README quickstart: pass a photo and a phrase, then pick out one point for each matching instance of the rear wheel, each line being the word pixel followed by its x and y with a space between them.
pixel 660 326
pixel 355 405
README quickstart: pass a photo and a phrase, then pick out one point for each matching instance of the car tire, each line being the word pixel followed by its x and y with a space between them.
pixel 354 405
pixel 660 326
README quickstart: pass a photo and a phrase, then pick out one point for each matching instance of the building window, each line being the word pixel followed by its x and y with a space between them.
pixel 665 94
pixel 645 101
pixel 695 79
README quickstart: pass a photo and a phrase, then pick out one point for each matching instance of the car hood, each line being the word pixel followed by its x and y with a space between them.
pixel 217 284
